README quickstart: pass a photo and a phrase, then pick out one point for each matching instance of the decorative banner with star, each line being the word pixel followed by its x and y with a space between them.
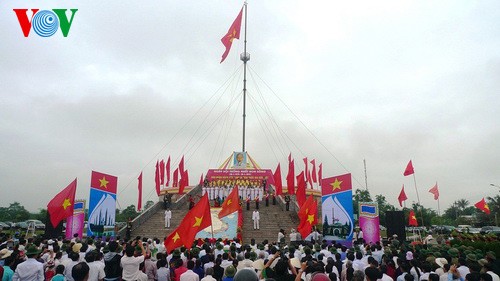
pixel 102 204
pixel 337 209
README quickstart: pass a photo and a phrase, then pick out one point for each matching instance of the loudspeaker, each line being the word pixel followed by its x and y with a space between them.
pixel 395 221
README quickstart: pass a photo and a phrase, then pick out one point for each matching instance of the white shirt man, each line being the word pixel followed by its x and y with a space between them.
pixel 168 216
pixel 96 271
pixel 256 219
pixel 30 270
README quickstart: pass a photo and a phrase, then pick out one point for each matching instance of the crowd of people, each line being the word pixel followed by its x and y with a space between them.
pixel 220 189
pixel 144 259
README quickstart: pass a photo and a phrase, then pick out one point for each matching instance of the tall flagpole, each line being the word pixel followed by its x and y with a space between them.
pixel 245 57
pixel 418 199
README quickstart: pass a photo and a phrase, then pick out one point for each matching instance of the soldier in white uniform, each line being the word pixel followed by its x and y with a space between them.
pixel 168 216
pixel 256 219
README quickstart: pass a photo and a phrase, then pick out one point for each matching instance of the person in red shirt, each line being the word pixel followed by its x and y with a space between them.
pixel 180 268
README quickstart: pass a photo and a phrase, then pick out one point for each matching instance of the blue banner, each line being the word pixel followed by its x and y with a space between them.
pixel 102 211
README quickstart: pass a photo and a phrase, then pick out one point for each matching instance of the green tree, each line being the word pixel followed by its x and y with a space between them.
pixel 383 207
pixel 129 212
pixel 149 203
pixel 41 215
pixel 15 212
pixel 360 195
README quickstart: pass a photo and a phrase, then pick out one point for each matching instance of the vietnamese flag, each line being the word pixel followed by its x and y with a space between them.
pixel 104 182
pixel 61 206
pixel 435 191
pixel 174 240
pixel 231 204
pixel 308 215
pixel 409 169
pixel 232 33
pixel 168 171
pixel 483 206
pixel 336 184
pixel 277 180
pixel 412 219
pixel 402 196
pixel 301 189
pixel 290 178
pixel 197 219
pixel 139 187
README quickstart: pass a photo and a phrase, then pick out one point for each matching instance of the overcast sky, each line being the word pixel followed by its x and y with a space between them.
pixel 385 81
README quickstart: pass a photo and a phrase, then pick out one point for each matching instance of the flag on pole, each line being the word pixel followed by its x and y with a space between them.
pixel 231 204
pixel 197 219
pixel 201 179
pixel 308 215
pixel 306 165
pixel 162 172
pixel 320 173
pixel 434 190
pixel 402 196
pixel 314 175
pixel 61 206
pixel 412 219
pixel 139 187
pixel 409 169
pixel 181 166
pixel 174 241
pixel 175 182
pixel 301 189
pixel 483 206
pixel 157 178
pixel 277 180
pixel 232 33
pixel 183 181
pixel 309 179
pixel 290 178
pixel 168 171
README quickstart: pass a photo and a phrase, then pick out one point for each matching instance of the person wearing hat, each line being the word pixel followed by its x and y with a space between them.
pixel 441 262
pixel 246 275
pixel 229 273
pixel 8 259
pixel 30 269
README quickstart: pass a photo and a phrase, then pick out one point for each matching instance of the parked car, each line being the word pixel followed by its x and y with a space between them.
pixel 463 228
pixel 22 225
pixel 444 229
pixel 4 226
pixel 38 224
pixel 490 229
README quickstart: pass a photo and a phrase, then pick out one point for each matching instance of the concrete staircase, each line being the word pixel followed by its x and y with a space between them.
pixel 155 225
pixel 272 218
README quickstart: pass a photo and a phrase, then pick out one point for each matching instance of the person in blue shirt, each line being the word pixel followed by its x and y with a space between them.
pixel 59 274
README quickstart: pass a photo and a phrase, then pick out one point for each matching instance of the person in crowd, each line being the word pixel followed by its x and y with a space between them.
pixel 31 269
pixel 129 263
pixel 189 275
pixel 256 219
pixel 80 272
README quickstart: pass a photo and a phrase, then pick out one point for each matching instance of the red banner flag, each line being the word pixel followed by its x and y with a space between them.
pixel 412 219
pixel 61 206
pixel 183 182
pixel 308 215
pixel 320 173
pixel 162 172
pixel 232 33
pixel 104 182
pixel 314 177
pixel 309 180
pixel 402 196
pixel 290 178
pixel 139 187
pixel 409 169
pixel 483 206
pixel 231 204
pixel 306 165
pixel 435 191
pixel 301 189
pixel 157 178
pixel 168 171
pixel 277 180
pixel 201 180
pixel 289 157
pixel 175 183
pixel 181 166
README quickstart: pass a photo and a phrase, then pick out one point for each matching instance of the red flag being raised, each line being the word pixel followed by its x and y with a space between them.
pixel 434 190
pixel 277 180
pixel 320 173
pixel 231 204
pixel 290 178
pixel 139 187
pixel 412 219
pixel 162 172
pixel 157 178
pixel 483 206
pixel 175 182
pixel 402 196
pixel 314 177
pixel 232 33
pixel 409 169
pixel 61 206
pixel 167 168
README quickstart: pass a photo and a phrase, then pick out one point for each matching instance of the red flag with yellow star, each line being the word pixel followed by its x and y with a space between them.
pixel 174 241
pixel 196 219
pixel 231 204
pixel 412 219
pixel 336 184
pixel 61 206
pixel 104 182
pixel 308 215
pixel 483 206
pixel 232 33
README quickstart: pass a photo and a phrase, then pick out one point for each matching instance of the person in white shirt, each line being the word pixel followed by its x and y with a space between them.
pixel 168 217
pixel 281 235
pixel 163 273
pixel 256 219
pixel 96 269
pixel 68 267
pixel 189 275
pixel 208 275
pixel 463 269
pixel 130 264
pixel 31 269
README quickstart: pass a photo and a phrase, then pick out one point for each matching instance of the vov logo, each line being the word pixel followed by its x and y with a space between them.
pixel 45 23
